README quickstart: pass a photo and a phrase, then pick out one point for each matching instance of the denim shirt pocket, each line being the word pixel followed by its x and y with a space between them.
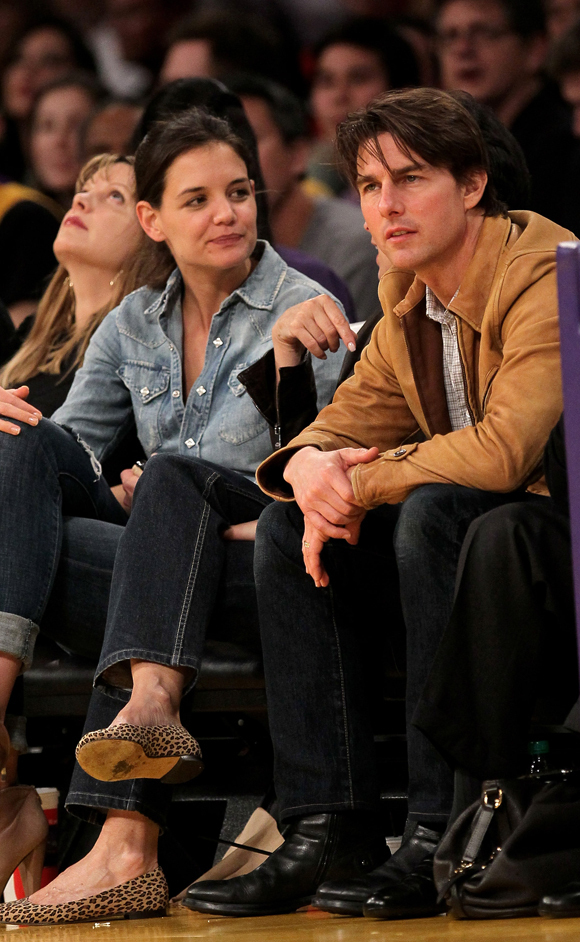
pixel 240 421
pixel 147 384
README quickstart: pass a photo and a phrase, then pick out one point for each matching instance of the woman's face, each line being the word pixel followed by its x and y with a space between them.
pixel 347 78
pixel 55 137
pixel 43 56
pixel 208 210
pixel 101 228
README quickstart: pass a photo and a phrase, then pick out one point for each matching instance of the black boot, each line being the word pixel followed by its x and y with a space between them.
pixel 340 846
pixel 413 897
pixel 349 896
pixel 564 902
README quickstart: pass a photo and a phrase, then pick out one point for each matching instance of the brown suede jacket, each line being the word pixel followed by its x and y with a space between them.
pixel 507 317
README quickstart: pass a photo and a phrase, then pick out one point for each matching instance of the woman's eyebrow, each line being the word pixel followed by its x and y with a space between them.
pixel 197 189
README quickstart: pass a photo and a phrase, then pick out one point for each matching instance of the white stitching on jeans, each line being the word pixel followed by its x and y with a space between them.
pixel 343 698
pixel 192 578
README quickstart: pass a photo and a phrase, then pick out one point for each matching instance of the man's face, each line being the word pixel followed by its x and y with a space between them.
pixel 479 53
pixel 282 164
pixel 570 88
pixel 417 214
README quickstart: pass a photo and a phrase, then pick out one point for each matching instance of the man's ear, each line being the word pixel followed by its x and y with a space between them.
pixel 474 188
pixel 148 216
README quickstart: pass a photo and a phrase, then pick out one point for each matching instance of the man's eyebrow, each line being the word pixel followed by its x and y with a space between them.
pixel 409 168
pixel 199 189
pixel 398 172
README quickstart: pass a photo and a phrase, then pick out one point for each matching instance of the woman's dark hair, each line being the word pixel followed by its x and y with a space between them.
pixel 376 35
pixel 165 141
pixel 433 124
pixel 213 96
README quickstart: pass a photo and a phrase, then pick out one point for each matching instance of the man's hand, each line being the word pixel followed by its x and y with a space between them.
pixel 313 542
pixel 13 405
pixel 323 490
pixel 315 325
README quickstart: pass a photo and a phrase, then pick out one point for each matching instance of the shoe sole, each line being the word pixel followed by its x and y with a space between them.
pixel 116 760
pixel 340 907
pixel 246 909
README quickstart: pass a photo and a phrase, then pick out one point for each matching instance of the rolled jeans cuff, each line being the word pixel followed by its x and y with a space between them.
pixel 17 637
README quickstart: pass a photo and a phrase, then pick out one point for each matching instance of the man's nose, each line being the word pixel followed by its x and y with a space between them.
pixel 390 201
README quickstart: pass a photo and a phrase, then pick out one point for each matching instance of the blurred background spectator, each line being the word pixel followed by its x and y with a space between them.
pixel 561 16
pixel 47 49
pixel 110 127
pixel 352 64
pixel 327 228
pixel 496 50
pixel 60 111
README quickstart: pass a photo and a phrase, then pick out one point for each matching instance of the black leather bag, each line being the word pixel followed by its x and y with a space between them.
pixel 519 842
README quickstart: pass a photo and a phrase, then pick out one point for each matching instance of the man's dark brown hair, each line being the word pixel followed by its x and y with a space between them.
pixel 425 122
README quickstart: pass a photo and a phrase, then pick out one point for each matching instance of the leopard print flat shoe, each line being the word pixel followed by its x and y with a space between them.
pixel 144 897
pixel 168 753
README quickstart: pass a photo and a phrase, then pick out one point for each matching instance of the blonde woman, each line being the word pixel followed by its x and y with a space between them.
pixel 97 247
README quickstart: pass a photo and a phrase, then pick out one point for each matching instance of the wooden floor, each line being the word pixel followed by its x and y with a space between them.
pixel 310 926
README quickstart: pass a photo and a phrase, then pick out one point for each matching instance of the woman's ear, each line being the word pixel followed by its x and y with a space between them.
pixel 148 216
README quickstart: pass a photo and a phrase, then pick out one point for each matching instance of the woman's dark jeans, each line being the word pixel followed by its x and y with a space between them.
pixel 59 520
pixel 175 580
pixel 316 652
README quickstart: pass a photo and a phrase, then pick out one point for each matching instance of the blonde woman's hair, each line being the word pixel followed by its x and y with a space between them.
pixel 52 344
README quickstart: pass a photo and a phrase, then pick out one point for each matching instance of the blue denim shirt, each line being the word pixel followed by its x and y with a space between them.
pixel 133 367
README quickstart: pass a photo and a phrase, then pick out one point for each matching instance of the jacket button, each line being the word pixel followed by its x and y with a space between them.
pixel 176 394
pixel 218 342
pixel 399 452
pixel 190 442
pixel 144 390
pixel 201 390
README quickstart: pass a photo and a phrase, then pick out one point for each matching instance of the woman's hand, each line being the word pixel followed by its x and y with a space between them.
pixel 241 531
pixel 13 405
pixel 315 325
pixel 124 491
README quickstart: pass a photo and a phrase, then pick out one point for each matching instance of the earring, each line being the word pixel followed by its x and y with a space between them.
pixel 113 280
pixel 70 284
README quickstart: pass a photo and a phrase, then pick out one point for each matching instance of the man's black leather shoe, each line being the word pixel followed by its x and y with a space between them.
pixel 340 846
pixel 349 896
pixel 565 902
pixel 413 897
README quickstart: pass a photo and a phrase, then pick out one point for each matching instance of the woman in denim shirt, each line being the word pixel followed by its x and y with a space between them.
pixel 168 358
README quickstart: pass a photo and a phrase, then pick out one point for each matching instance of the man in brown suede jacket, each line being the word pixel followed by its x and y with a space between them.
pixel 445 418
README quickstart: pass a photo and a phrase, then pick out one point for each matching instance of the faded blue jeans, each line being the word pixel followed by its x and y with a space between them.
pixel 317 654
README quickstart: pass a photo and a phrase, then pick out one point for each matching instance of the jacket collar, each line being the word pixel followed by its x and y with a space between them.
pixel 471 299
pixel 258 291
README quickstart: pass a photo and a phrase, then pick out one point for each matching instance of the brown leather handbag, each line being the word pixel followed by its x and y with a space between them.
pixel 506 851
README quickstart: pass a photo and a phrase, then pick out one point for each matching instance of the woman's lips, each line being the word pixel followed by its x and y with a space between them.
pixel 227 239
pixel 74 221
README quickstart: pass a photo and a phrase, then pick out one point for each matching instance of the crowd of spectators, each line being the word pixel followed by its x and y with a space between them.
pixel 75 78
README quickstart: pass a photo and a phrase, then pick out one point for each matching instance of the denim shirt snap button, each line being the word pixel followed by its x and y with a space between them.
pixel 144 390
pixel 218 342
pixel 176 394
pixel 190 442
pixel 201 390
